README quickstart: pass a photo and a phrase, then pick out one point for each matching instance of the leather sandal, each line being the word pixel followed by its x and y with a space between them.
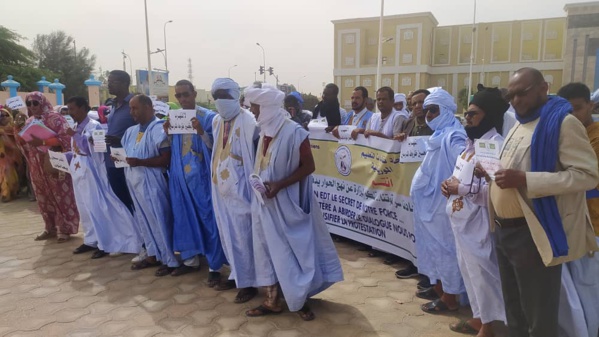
pixel 261 311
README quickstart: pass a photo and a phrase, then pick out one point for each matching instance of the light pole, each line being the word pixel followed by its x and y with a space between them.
pixel 126 56
pixel 163 52
pixel 263 60
pixel 229 72
pixel 471 54
pixel 380 47
pixel 165 63
pixel 148 49
pixel 298 83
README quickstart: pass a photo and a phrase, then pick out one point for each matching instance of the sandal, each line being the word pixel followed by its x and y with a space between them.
pixel 227 285
pixel 213 279
pixel 245 295
pixel 463 327
pixel 427 294
pixel 164 270
pixel 62 238
pixel 261 311
pixel 145 264
pixel 306 314
pixel 436 306
pixel 45 236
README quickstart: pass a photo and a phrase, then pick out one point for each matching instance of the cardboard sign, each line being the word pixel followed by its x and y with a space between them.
pixel 180 122
pixel 413 149
pixel 15 103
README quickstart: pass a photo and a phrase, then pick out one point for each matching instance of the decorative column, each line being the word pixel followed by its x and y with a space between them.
pixel 42 85
pixel 93 91
pixel 11 85
pixel 58 88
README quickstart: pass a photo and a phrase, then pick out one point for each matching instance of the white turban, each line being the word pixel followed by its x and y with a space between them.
pixel 270 100
pixel 447 108
pixel 227 108
pixel 401 98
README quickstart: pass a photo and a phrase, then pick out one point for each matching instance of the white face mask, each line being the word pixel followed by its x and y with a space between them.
pixel 227 108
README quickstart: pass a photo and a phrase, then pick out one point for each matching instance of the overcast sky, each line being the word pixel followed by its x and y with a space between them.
pixel 217 34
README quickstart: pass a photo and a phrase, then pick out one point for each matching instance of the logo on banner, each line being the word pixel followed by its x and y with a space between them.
pixel 343 160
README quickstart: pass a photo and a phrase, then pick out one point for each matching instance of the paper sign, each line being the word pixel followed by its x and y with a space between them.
pixel 413 149
pixel 464 169
pixel 161 108
pixel 180 122
pixel 15 103
pixel 99 139
pixel 258 187
pixel 153 98
pixel 345 134
pixel 120 157
pixel 488 153
pixel 59 161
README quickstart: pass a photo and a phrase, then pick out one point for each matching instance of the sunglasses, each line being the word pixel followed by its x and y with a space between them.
pixel 470 114
pixel 431 109
pixel 520 93
pixel 183 94
pixel 35 103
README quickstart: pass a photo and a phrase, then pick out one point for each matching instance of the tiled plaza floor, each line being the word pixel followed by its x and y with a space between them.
pixel 45 290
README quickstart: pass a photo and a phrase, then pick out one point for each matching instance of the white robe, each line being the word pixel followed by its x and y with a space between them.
pixel 292 244
pixel 232 194
pixel 107 223
pixel 475 246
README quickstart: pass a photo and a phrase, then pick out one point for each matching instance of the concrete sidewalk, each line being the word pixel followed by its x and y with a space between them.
pixel 45 290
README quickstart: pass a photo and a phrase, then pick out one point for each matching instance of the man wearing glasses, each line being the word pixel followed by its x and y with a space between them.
pixel 435 246
pixel 537 204
pixel 467 210
pixel 195 231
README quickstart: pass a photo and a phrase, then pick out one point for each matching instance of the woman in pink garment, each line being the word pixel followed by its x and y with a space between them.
pixel 54 191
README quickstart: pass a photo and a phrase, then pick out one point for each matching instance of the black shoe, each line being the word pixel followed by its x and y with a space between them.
pixel 182 270
pixel 99 254
pixel 83 249
pixel 407 272
pixel 424 283
pixel 427 294
pixel 391 259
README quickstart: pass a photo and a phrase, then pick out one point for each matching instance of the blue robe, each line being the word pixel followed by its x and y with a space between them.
pixel 292 244
pixel 232 194
pixel 195 231
pixel 435 243
pixel 149 191
pixel 108 224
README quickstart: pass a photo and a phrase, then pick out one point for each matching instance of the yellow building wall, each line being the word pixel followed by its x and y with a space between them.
pixel 501 42
pixel 464 44
pixel 554 34
pixel 442 46
pixel 530 37
pixel 554 79
pixel 406 82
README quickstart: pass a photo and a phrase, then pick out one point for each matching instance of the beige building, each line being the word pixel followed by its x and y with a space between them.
pixel 418 53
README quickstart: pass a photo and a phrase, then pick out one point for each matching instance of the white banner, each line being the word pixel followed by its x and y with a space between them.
pixel 363 191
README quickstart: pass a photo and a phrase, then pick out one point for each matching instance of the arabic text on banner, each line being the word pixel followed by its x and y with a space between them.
pixel 363 191
pixel 180 121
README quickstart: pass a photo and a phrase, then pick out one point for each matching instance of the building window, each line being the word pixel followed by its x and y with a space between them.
pixel 467 39
pixel 386 82
pixel 408 35
pixel 347 103
pixel 367 82
pixel 350 39
pixel 371 41
pixel 349 61
pixel 466 81
pixel 526 57
pixel 495 38
pixel 406 81
pixel 441 82
pixel 444 41
pixel 349 83
pixel 496 80
pixel 549 79
pixel 551 35
pixel 527 36
pixel 406 58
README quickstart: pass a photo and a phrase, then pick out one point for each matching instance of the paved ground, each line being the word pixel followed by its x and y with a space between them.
pixel 45 290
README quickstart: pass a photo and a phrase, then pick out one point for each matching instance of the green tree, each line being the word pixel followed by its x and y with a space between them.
pixel 18 61
pixel 56 52
pixel 310 101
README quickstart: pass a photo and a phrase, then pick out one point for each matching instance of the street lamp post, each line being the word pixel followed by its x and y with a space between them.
pixel 165 63
pixel 298 83
pixel 148 49
pixel 126 56
pixel 229 72
pixel 263 60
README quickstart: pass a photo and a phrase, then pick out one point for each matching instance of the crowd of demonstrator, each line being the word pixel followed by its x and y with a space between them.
pixel 518 244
